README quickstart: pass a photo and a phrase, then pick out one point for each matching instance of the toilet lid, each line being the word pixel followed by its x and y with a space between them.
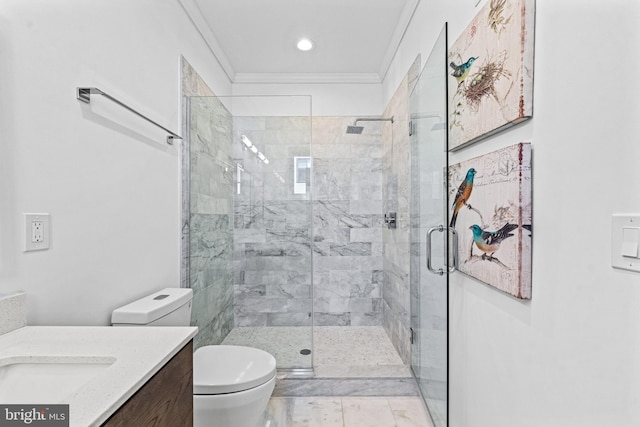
pixel 219 369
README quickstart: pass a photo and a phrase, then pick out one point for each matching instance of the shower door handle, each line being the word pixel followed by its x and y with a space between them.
pixel 454 245
pixel 439 271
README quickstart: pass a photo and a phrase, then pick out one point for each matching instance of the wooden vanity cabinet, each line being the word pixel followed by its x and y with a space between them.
pixel 166 400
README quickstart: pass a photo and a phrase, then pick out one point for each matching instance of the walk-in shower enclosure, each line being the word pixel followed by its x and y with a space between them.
pixel 247 214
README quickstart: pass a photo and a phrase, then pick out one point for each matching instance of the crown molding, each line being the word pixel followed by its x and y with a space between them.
pixel 307 78
pixel 195 15
pixel 398 34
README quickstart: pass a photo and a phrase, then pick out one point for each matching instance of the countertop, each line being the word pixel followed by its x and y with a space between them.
pixel 139 353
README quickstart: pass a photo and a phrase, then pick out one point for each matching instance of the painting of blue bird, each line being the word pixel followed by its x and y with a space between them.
pixel 489 241
pixel 462 196
pixel 492 64
pixel 460 72
pixel 494 235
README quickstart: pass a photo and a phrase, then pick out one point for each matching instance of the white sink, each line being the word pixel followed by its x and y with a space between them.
pixel 47 380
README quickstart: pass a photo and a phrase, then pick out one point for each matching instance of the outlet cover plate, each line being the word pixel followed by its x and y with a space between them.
pixel 42 231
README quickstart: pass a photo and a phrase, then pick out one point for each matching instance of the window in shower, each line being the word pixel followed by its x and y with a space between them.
pixel 301 174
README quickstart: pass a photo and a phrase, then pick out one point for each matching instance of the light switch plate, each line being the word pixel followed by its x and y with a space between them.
pixel 624 225
pixel 37 232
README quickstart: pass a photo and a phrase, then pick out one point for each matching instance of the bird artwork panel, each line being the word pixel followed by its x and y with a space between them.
pixel 491 212
pixel 491 72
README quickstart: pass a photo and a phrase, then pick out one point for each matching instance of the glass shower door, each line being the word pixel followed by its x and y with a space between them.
pixel 429 265
pixel 250 234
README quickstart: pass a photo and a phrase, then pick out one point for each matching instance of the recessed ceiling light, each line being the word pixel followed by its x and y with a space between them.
pixel 305 45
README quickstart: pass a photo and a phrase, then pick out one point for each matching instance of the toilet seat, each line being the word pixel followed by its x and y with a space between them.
pixel 220 369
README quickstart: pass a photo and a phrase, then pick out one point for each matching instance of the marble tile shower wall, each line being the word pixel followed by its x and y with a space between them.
pixel 272 224
pixel 347 223
pixel 211 210
pixel 396 196
pixel 276 229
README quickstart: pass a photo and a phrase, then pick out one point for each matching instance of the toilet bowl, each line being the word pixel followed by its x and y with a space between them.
pixel 231 384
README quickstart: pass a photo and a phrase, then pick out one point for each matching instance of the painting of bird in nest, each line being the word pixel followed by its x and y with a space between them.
pixel 490 69
pixel 490 210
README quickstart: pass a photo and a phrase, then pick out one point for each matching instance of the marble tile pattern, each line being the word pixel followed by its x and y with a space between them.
pixel 207 210
pixel 347 223
pixel 346 387
pixel 13 312
pixel 272 224
pixel 191 85
pixel 395 191
pixel 346 412
pixel 276 231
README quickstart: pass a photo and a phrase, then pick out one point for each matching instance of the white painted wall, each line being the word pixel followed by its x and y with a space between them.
pixel 570 356
pixel 328 99
pixel 106 177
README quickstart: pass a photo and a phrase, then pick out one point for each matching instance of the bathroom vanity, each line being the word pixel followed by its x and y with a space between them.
pixel 165 400
pixel 109 376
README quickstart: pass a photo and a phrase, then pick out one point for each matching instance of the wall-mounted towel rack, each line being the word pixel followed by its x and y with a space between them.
pixel 84 94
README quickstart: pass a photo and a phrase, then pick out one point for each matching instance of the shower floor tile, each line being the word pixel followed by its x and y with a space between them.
pixel 339 351
pixel 284 342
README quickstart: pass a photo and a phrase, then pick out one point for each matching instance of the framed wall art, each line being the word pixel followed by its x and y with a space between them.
pixel 491 212
pixel 491 72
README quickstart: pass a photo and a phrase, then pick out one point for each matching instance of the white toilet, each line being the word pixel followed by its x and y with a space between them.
pixel 231 384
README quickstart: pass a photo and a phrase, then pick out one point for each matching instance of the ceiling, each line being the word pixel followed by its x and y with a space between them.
pixel 255 40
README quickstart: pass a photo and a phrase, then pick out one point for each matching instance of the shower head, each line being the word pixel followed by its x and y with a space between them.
pixel 355 129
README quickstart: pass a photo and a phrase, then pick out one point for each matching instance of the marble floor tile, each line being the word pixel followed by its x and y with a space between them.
pixel 409 412
pixel 438 409
pixel 279 413
pixel 345 412
pixel 367 412
pixel 314 412
pixel 303 412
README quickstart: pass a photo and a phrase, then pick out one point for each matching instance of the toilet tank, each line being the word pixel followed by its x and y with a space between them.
pixel 167 307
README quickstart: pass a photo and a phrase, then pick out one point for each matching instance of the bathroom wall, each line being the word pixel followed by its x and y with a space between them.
pixel 396 177
pixel 328 99
pixel 570 356
pixel 207 209
pixel 108 179
pixel 347 222
pixel 272 223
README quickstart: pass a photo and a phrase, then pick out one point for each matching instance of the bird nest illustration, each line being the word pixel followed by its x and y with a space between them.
pixel 482 83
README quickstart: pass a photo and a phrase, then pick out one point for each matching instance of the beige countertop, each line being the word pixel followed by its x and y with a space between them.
pixel 137 354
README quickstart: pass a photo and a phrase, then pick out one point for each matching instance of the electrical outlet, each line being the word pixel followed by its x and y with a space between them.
pixel 37 232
